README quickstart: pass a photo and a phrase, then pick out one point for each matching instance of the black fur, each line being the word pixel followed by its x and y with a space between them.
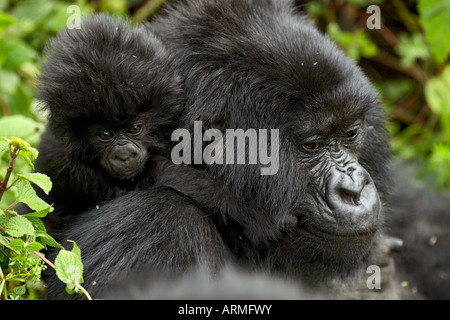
pixel 259 64
pixel 422 220
pixel 105 73
pixel 245 64
pixel 107 76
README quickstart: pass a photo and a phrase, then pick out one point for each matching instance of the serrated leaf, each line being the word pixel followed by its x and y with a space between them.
pixel 20 290
pixel 39 214
pixel 69 268
pixel 27 195
pixel 35 246
pixel 76 249
pixel 29 154
pixel 19 226
pixel 17 244
pixel 41 180
pixel 18 142
pixel 37 223
pixel 48 240
pixel 5 241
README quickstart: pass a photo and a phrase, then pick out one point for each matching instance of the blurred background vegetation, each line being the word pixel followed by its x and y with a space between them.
pixel 407 58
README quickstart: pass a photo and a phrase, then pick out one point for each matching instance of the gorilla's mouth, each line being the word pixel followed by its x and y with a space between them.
pixel 339 234
pixel 125 172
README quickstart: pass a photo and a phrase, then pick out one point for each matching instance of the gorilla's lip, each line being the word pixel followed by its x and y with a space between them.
pixel 126 174
pixel 339 234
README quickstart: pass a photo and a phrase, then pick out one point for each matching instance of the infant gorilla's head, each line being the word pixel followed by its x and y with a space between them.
pixel 111 93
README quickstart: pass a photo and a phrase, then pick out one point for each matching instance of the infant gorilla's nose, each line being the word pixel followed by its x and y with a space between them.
pixel 125 154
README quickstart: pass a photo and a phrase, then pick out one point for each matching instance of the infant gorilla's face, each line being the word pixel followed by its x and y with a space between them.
pixel 124 154
pixel 121 149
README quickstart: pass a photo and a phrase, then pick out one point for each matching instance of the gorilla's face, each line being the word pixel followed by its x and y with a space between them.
pixel 346 198
pixel 341 208
pixel 123 151
pixel 335 146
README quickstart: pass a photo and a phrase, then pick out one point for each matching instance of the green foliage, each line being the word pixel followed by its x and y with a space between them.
pixel 412 48
pixel 22 237
pixel 69 269
pixel 357 44
pixel 24 30
pixel 434 16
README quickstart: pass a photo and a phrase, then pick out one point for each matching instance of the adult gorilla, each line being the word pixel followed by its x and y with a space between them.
pixel 257 64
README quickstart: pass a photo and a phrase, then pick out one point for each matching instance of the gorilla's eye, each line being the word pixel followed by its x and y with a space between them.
pixel 350 134
pixel 105 135
pixel 312 145
pixel 135 129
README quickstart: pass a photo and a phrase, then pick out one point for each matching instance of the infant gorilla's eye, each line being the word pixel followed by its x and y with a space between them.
pixel 312 145
pixel 135 129
pixel 105 135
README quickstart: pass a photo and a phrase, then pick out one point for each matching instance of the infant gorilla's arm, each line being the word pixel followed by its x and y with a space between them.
pixel 214 197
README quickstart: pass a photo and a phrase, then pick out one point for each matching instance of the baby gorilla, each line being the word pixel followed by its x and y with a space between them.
pixel 113 100
pixel 111 97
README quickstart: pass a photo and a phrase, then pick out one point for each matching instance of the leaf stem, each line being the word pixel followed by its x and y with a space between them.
pixel 11 205
pixel 2 284
pixel 12 162
pixel 88 296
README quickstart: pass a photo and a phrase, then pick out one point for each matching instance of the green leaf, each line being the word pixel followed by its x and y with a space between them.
pixel 437 95
pixel 75 249
pixel 20 290
pixel 19 126
pixel 19 226
pixel 39 214
pixel 48 240
pixel 16 51
pixel 411 48
pixel 37 223
pixel 35 246
pixel 5 21
pixel 27 195
pixel 39 179
pixel 29 154
pixel 434 16
pixel 9 81
pixel 5 241
pixel 437 92
pixel 69 268
pixel 17 244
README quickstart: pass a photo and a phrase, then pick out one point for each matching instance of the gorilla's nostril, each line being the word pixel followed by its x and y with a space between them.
pixel 350 196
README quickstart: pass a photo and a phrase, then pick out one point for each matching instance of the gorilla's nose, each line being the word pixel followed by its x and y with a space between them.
pixel 351 185
pixel 124 154
pixel 352 195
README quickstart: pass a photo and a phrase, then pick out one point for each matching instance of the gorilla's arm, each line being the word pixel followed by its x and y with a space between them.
pixel 422 220
pixel 138 230
pixel 214 197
